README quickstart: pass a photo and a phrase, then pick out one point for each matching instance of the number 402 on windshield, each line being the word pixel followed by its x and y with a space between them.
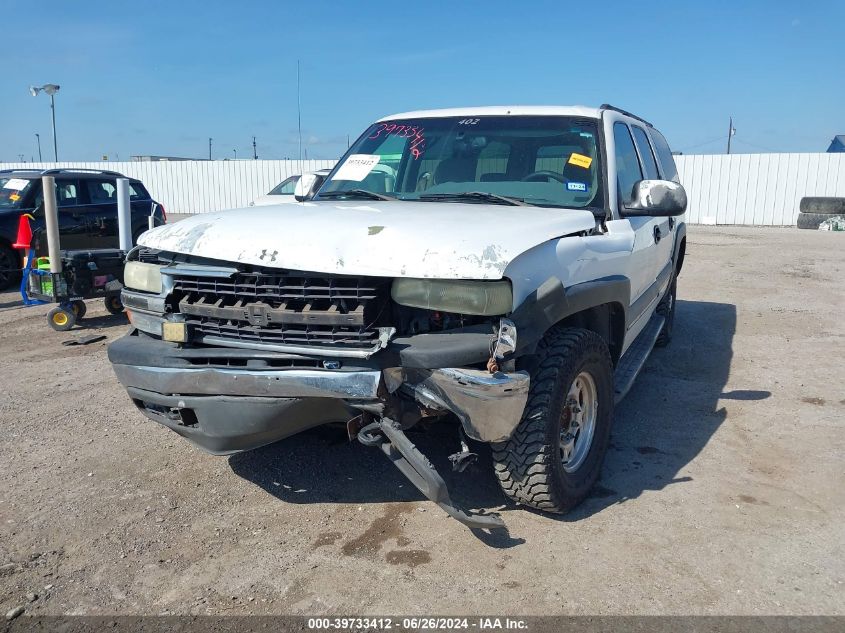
pixel 468 121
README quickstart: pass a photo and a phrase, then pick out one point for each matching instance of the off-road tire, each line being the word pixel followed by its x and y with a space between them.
pixel 822 206
pixel 666 309
pixel 528 465
pixel 811 220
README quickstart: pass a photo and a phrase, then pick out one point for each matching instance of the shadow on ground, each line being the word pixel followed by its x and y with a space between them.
pixel 665 421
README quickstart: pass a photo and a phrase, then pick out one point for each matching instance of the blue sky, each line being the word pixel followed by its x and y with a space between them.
pixel 161 77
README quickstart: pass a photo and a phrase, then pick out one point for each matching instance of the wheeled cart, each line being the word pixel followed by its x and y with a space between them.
pixel 84 275
pixel 68 277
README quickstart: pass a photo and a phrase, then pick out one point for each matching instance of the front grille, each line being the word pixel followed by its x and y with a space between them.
pixel 283 308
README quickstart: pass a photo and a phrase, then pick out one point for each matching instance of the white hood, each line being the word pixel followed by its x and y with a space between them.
pixel 391 239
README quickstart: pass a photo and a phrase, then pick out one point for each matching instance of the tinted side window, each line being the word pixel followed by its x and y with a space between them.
pixel 67 193
pixel 628 169
pixel 101 191
pixel 664 155
pixel 644 147
pixel 137 191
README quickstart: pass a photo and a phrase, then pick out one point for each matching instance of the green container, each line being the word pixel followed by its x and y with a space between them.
pixel 43 263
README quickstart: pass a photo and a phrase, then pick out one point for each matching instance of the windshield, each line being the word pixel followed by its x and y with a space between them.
pixel 13 191
pixel 539 160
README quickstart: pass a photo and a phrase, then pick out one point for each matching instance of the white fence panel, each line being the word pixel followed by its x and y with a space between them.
pixel 752 189
pixel 199 186
pixel 757 189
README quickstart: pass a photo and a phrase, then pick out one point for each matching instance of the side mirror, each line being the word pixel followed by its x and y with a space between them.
pixel 658 198
pixel 305 187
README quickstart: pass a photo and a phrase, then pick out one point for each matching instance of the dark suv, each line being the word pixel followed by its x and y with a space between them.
pixel 87 201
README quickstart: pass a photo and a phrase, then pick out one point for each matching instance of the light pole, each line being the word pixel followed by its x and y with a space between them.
pixel 235 152
pixel 50 89
pixel 38 140
pixel 209 148
pixel 731 132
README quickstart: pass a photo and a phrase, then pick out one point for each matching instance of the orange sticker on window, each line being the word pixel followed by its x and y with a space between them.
pixel 14 197
pixel 580 160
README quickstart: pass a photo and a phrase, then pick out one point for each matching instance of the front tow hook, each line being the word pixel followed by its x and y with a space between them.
pixel 416 467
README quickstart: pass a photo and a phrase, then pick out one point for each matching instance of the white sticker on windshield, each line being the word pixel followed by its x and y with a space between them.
pixel 357 167
pixel 16 183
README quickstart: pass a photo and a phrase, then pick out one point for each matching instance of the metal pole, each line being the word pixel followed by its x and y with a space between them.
pixel 124 215
pixel 730 132
pixel 254 150
pixel 209 148
pixel 51 219
pixel 38 139
pixel 53 110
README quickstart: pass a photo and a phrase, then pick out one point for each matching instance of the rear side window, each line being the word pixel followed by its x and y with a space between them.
pixel 101 191
pixel 67 193
pixel 664 155
pixel 628 170
pixel 644 147
pixel 137 191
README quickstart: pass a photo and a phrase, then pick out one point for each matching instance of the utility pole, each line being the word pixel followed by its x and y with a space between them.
pixel 209 148
pixel 53 112
pixel 254 150
pixel 38 140
pixel 730 132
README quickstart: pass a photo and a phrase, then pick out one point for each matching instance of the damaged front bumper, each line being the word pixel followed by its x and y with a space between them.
pixel 221 400
pixel 227 400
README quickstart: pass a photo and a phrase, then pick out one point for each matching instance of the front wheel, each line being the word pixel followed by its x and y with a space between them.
pixel 61 318
pixel 555 454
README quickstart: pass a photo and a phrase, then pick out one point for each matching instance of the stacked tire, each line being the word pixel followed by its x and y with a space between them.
pixel 814 211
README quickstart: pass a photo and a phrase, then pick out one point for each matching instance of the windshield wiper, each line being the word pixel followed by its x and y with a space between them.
pixel 481 196
pixel 357 193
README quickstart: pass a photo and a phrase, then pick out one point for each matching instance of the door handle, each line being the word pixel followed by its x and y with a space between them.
pixel 657 234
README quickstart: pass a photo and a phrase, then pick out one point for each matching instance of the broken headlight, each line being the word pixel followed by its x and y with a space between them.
pixel 487 298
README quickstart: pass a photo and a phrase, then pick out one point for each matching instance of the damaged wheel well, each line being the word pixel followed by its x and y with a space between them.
pixel 682 251
pixel 606 320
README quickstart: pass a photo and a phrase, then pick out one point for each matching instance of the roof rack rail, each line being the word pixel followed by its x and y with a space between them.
pixel 607 106
pixel 80 170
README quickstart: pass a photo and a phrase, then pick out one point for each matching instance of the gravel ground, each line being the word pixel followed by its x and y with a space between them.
pixel 722 492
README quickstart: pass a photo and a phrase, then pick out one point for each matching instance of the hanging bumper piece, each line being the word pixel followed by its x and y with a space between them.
pixel 388 435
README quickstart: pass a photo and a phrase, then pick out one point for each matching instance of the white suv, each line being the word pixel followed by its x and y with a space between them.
pixel 505 269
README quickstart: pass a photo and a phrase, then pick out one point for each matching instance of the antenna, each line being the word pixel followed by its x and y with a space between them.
pixel 299 113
